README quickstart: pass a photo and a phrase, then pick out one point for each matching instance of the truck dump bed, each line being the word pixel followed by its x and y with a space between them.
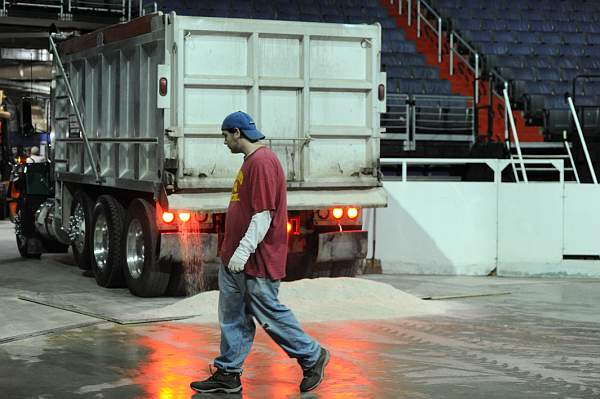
pixel 154 97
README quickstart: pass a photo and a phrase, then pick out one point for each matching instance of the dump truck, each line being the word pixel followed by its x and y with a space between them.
pixel 139 178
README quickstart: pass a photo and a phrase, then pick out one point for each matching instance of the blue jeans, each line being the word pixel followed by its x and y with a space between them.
pixel 242 297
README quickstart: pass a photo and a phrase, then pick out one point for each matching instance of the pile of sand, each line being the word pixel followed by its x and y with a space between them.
pixel 321 299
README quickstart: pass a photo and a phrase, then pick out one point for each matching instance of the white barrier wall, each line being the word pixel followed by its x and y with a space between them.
pixel 530 225
pixel 472 228
pixel 438 228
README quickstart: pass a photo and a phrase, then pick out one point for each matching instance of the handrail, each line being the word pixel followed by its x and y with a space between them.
pixel 568 148
pixel 474 69
pixel 514 132
pixel 582 138
pixel 420 17
pixel 496 165
pixel 94 162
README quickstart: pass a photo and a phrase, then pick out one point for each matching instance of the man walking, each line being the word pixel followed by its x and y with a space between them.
pixel 254 252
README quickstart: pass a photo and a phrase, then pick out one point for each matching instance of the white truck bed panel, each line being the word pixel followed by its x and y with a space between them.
pixel 311 88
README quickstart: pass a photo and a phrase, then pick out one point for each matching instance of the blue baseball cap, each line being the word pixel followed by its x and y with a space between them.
pixel 244 122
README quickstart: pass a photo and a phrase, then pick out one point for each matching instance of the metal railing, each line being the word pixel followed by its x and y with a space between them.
pixel 436 29
pixel 428 118
pixel 497 166
pixel 443 118
pixel 397 120
pixel 476 68
pixel 509 115
pixel 582 138
pixel 570 155
pixel 64 8
pixel 93 160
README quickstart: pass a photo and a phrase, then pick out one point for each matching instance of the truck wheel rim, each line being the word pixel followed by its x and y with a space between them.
pixel 79 228
pixel 101 242
pixel 135 249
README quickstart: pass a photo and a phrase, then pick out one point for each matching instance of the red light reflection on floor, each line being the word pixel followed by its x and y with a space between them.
pixel 180 353
pixel 177 356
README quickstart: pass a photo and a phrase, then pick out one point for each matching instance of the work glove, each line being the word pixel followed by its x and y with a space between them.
pixel 236 263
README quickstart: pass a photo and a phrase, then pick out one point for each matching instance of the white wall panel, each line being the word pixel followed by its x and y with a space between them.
pixel 582 223
pixel 530 228
pixel 438 228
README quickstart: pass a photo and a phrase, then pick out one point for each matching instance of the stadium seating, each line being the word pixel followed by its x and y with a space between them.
pixel 539 46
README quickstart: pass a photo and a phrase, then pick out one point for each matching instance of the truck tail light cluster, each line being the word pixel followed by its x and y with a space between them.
pixel 338 213
pixel 168 218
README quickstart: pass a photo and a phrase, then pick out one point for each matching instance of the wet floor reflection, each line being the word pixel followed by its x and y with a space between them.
pixel 180 353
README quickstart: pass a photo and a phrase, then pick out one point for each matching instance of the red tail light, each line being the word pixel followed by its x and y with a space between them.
pixel 185 216
pixel 352 213
pixel 289 227
pixel 337 213
pixel 168 217
pixel 381 94
pixel 162 86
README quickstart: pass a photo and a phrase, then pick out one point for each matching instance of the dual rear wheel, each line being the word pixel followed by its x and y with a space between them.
pixel 119 245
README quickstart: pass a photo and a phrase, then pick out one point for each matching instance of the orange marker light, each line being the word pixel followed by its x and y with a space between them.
pixel 352 213
pixel 289 227
pixel 168 217
pixel 338 213
pixel 185 216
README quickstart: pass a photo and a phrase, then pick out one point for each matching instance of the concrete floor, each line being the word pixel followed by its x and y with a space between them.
pixel 541 340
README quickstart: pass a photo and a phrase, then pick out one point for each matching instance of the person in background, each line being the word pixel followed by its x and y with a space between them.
pixel 254 253
pixel 34 155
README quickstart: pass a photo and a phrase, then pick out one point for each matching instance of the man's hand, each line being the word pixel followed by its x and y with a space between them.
pixel 236 263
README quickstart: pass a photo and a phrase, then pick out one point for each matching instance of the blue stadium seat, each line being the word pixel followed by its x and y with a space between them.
pixel 548 74
pixel 527 37
pixel 574 38
pixel 494 48
pixel 398 46
pixel 547 49
pixel 521 49
pixel 572 50
pixel 392 34
pixel 478 36
pixel 541 26
pixel 523 73
pixel 505 37
pixel 409 86
pixel 551 38
pixel 518 25
pixel 425 73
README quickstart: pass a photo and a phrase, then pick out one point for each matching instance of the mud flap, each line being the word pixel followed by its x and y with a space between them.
pixel 342 246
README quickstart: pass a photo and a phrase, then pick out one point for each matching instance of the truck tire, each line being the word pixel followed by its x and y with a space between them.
pixel 145 275
pixel 81 209
pixel 23 247
pixel 107 232
pixel 21 233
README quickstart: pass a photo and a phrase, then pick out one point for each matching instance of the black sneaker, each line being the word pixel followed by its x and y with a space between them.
pixel 315 374
pixel 219 381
